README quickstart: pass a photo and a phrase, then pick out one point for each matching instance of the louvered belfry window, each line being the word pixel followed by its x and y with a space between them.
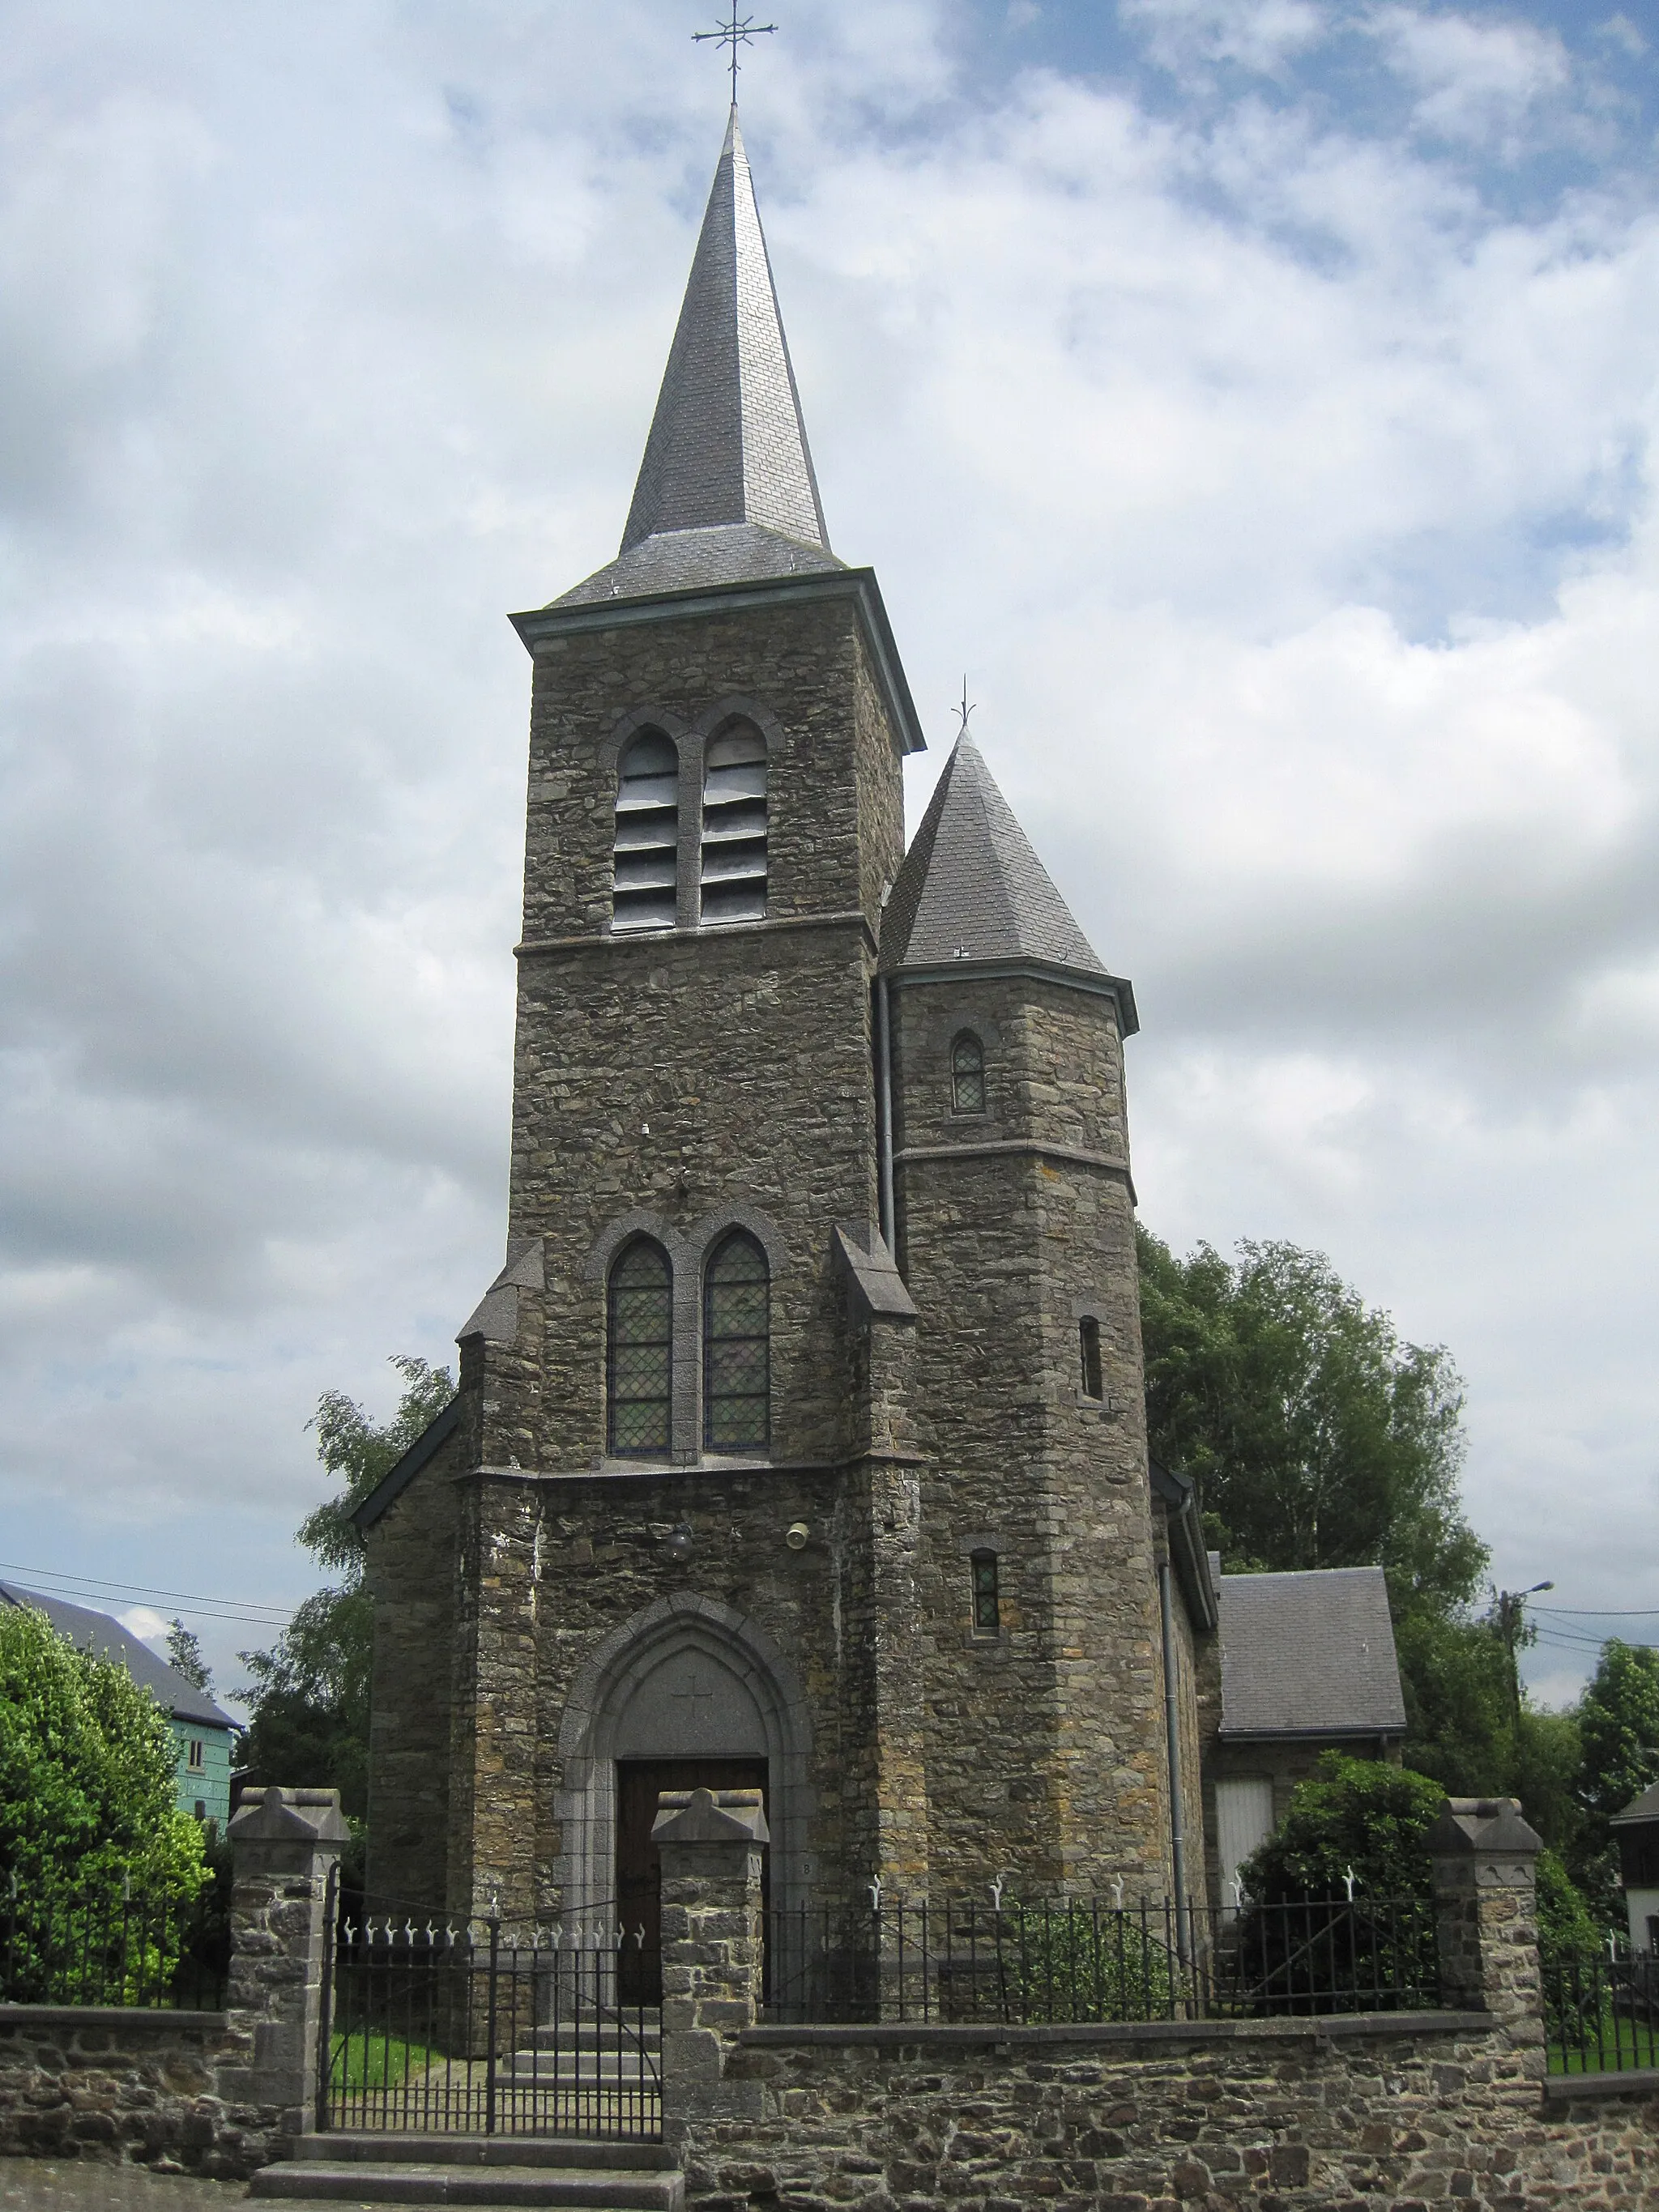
pixel 640 1352
pixel 734 826
pixel 967 1075
pixel 737 1350
pixel 646 861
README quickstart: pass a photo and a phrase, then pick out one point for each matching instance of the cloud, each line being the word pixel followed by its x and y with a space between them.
pixel 1288 491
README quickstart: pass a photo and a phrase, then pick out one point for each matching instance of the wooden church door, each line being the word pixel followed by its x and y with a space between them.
pixel 638 1868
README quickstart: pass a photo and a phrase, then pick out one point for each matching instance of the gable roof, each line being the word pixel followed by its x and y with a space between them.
pixel 397 1477
pixel 1308 1654
pixel 726 492
pixel 96 1631
pixel 1644 1808
pixel 972 887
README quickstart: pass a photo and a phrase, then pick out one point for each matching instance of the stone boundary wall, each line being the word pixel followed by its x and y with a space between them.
pixel 102 2082
pixel 1357 2114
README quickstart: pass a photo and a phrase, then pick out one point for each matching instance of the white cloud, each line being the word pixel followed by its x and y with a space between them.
pixel 1292 509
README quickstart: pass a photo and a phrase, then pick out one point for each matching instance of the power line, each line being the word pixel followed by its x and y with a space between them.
pixel 1602 1613
pixel 210 1608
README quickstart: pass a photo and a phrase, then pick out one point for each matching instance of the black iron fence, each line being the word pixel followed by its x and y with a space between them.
pixel 1601 2014
pixel 485 2027
pixel 1081 1961
pixel 115 1946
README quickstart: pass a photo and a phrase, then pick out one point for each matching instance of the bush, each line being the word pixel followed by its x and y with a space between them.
pixel 90 1837
pixel 1353 1814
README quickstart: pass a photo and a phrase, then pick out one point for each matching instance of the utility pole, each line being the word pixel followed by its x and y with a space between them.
pixel 1511 1623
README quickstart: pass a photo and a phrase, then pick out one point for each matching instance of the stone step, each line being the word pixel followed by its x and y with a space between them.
pixel 449 2181
pixel 631 2036
pixel 573 2066
pixel 389 2146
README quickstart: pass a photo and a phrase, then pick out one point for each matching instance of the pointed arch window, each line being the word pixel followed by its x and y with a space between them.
pixel 646 855
pixel 734 825
pixel 967 1074
pixel 640 1352
pixel 737 1348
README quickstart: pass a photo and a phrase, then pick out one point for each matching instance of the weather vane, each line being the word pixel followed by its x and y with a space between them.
pixel 741 31
pixel 963 710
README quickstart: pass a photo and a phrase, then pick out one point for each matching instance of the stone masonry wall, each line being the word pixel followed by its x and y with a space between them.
pixel 1358 2114
pixel 1045 1743
pixel 412 1574
pixel 97 2083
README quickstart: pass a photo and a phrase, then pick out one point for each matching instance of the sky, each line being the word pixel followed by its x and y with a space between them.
pixel 1256 398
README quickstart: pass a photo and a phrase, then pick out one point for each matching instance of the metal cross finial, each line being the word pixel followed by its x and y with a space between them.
pixel 963 710
pixel 741 31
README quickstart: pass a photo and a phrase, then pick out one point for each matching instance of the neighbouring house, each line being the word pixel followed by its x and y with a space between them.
pixel 1306 1664
pixel 1636 1832
pixel 203 1732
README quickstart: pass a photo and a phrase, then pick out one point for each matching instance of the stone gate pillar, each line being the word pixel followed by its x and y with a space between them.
pixel 1485 1859
pixel 283 1843
pixel 710 1843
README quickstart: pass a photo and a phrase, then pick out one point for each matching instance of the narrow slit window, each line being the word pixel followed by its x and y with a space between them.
pixel 1088 1337
pixel 987 1600
pixel 646 867
pixel 640 1352
pixel 197 1758
pixel 737 1348
pixel 967 1074
pixel 734 826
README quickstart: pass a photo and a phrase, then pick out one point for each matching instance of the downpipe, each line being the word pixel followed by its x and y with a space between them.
pixel 1172 1737
pixel 884 1105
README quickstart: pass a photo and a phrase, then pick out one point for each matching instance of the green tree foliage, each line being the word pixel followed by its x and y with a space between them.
pixel 184 1656
pixel 1318 1437
pixel 88 1772
pixel 1618 1732
pixel 310 1692
pixel 1359 1815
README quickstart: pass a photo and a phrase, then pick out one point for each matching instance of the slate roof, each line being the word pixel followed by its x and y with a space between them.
pixel 972 888
pixel 1308 1654
pixel 727 492
pixel 96 1631
pixel 1644 1808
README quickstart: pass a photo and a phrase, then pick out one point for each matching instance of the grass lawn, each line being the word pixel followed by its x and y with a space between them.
pixel 1616 2043
pixel 376 2062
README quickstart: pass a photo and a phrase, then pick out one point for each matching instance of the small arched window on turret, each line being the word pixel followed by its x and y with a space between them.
pixel 988 1595
pixel 737 1348
pixel 646 861
pixel 1088 1336
pixel 967 1074
pixel 639 1366
pixel 734 825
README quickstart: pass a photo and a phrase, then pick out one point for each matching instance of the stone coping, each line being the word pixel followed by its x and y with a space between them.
pixel 44 2015
pixel 933 2035
pixel 1569 2089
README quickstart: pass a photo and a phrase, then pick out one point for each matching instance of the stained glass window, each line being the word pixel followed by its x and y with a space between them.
pixel 737 1352
pixel 967 1075
pixel 987 1604
pixel 639 1351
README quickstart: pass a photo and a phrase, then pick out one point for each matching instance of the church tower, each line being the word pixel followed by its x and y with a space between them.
pixel 800 1440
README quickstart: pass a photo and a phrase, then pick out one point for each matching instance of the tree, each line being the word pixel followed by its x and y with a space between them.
pixel 1319 1438
pixel 88 1821
pixel 1358 1816
pixel 310 1692
pixel 184 1657
pixel 1619 1733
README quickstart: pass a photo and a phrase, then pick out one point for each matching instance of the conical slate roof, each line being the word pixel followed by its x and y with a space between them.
pixel 971 887
pixel 725 491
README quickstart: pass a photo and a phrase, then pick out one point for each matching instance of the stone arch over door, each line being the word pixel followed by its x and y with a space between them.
pixel 686 1678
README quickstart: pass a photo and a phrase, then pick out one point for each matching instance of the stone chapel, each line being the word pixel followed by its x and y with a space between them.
pixel 800 1444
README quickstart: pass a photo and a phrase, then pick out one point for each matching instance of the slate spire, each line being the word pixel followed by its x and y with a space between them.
pixel 972 887
pixel 725 492
pixel 728 443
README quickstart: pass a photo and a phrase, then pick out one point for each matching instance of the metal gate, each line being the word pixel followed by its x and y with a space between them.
pixel 484 2028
